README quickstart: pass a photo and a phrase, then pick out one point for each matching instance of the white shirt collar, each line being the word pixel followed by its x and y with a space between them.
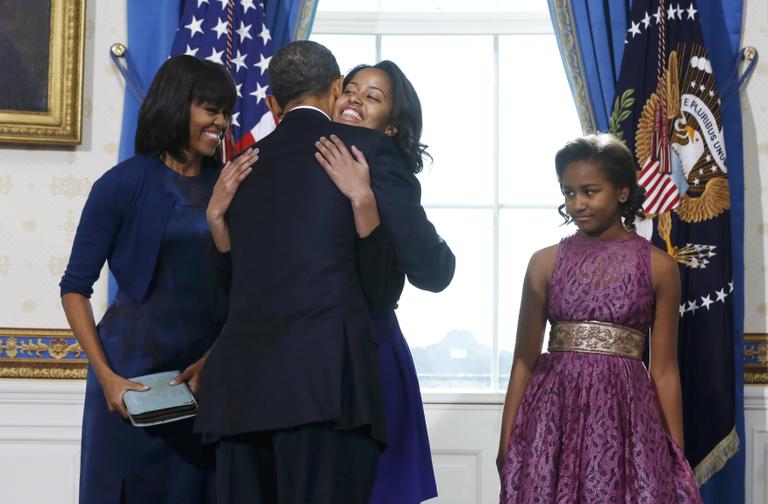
pixel 309 107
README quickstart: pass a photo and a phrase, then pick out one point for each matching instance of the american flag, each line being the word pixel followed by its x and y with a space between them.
pixel 661 193
pixel 233 33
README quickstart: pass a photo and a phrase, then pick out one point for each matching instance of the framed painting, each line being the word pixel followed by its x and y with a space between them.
pixel 41 353
pixel 41 71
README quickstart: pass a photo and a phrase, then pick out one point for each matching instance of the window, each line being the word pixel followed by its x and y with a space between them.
pixel 496 107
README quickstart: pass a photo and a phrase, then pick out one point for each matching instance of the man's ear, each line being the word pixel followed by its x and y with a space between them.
pixel 337 87
pixel 274 107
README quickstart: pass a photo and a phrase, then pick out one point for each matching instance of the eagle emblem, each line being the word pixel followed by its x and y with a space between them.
pixel 693 114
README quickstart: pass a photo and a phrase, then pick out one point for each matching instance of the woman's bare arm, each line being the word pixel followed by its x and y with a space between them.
pixel 80 316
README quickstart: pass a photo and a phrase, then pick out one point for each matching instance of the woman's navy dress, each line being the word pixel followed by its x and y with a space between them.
pixel 172 327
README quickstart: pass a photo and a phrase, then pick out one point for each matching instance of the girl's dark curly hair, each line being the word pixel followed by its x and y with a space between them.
pixel 615 161
pixel 405 115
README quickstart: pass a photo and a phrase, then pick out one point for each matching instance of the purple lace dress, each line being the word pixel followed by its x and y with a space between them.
pixel 589 428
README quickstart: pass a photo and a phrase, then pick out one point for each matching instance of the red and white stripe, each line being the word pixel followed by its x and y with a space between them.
pixel 661 194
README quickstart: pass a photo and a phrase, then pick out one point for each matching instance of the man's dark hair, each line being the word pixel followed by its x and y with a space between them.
pixel 163 123
pixel 301 68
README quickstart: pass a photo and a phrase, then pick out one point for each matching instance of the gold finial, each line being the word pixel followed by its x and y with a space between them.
pixel 750 53
pixel 118 49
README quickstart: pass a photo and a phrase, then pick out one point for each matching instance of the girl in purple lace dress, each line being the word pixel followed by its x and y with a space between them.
pixel 585 422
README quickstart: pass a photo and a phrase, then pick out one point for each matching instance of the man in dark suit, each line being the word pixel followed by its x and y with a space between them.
pixel 292 386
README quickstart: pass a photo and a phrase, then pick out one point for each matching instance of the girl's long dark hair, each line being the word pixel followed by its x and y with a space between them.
pixel 405 116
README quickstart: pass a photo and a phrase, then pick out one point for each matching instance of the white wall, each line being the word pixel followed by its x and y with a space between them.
pixel 40 445
pixel 42 191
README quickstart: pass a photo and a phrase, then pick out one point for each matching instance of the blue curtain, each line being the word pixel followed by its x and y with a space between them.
pixel 591 37
pixel 721 26
pixel 289 20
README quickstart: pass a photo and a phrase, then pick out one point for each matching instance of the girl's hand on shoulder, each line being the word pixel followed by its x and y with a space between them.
pixel 114 386
pixel 349 171
pixel 230 178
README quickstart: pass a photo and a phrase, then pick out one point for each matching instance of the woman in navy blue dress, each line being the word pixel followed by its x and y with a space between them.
pixel 146 218
pixel 381 97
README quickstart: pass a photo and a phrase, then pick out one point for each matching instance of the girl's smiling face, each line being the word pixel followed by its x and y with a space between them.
pixel 366 101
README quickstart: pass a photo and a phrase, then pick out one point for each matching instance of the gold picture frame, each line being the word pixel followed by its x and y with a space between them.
pixel 41 353
pixel 52 118
pixel 756 359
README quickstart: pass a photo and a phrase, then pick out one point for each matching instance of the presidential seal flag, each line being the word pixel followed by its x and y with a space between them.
pixel 233 33
pixel 667 109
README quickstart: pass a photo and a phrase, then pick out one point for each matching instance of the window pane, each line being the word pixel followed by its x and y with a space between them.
pixel 457 106
pixel 349 5
pixel 432 5
pixel 538 118
pixel 350 50
pixel 450 333
pixel 521 233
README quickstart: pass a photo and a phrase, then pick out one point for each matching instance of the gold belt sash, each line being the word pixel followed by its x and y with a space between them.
pixel 596 337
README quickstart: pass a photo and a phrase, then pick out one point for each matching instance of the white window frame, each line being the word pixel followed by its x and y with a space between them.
pixel 452 23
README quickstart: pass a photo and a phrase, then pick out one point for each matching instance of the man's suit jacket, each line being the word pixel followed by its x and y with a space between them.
pixel 298 346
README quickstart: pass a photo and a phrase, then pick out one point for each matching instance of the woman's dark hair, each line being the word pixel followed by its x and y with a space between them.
pixel 614 160
pixel 405 116
pixel 163 124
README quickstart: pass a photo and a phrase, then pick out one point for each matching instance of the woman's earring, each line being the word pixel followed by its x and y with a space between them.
pixel 390 131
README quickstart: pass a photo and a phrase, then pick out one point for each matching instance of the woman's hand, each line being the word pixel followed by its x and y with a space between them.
pixel 114 386
pixel 230 178
pixel 350 174
pixel 192 374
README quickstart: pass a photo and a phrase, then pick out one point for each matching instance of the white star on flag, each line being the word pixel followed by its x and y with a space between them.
pixel 634 29
pixel 239 61
pixel 221 28
pixel 194 26
pixel 721 295
pixel 215 56
pixel 671 12
pixel 646 20
pixel 244 31
pixel 658 15
pixel 263 63
pixel 260 93
pixel 691 11
pixel 265 34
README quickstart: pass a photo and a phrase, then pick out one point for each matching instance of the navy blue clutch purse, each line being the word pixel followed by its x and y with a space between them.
pixel 162 403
